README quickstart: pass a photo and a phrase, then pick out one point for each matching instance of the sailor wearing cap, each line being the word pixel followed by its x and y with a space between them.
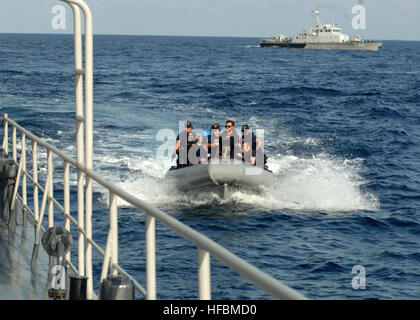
pixel 184 141
pixel 214 141
pixel 251 146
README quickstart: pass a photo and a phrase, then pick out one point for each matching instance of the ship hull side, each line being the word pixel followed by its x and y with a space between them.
pixel 283 45
pixel 372 46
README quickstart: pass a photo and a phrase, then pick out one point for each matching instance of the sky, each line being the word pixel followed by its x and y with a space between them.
pixel 385 19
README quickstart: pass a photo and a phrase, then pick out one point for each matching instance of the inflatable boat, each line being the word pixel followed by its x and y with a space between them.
pixel 221 178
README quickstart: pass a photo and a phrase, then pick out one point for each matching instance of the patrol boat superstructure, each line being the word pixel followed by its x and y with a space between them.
pixel 321 36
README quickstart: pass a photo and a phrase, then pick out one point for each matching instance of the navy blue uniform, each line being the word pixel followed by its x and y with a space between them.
pixel 187 140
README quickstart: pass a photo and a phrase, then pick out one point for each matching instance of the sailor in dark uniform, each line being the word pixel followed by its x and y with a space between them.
pixel 214 142
pixel 251 147
pixel 230 142
pixel 184 141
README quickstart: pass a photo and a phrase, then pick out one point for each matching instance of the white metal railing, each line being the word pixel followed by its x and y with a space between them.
pixel 84 131
pixel 205 246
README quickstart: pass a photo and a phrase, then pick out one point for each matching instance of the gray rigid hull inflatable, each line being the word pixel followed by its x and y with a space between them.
pixel 221 176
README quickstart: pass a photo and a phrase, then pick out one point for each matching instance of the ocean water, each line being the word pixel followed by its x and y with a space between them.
pixel 341 131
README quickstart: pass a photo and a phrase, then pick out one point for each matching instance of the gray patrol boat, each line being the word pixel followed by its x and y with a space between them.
pixel 321 36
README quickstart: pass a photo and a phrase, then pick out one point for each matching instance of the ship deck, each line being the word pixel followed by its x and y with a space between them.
pixel 18 279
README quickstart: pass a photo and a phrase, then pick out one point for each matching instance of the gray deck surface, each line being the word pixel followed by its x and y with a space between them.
pixel 18 280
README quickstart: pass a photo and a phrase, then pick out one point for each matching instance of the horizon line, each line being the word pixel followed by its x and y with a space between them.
pixel 172 35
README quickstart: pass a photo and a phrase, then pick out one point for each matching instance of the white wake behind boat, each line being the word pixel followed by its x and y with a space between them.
pixel 222 178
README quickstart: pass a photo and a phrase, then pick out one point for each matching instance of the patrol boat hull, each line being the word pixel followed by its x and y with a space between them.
pixel 221 178
pixel 372 46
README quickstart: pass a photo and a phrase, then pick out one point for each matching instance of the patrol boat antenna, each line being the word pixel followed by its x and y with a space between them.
pixel 315 18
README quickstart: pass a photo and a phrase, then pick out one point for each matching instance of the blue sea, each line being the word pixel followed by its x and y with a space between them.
pixel 341 131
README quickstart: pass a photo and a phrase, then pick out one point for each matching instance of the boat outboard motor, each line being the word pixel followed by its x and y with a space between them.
pixel 57 241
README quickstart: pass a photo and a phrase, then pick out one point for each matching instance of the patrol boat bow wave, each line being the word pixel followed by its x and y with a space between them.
pixel 321 36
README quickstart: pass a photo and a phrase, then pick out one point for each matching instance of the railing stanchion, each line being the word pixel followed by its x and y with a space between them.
pixel 16 187
pixel 80 153
pixel 67 202
pixel 35 181
pixel 88 237
pixel 6 135
pixel 204 277
pixel 113 223
pixel 50 190
pixel 80 223
pixel 24 173
pixel 42 211
pixel 14 152
pixel 87 119
pixel 106 261
pixel 150 257
pixel 23 159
